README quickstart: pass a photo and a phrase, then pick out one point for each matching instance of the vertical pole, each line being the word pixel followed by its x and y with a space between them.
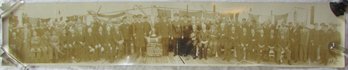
pixel 272 17
pixel 295 16
pixel 311 21
pixel 187 11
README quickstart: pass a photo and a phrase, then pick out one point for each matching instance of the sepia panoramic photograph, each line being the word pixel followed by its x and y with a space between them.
pixel 177 33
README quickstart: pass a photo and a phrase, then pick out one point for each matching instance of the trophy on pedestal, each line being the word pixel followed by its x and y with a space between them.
pixel 154 47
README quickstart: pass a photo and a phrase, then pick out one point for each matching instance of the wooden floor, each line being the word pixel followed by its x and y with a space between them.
pixel 151 60
pixel 174 60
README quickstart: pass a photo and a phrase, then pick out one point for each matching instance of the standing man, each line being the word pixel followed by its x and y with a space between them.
pixel 139 39
pixel 178 36
pixel 34 48
pixel 226 36
pixel 324 41
pixel 81 40
pixel 244 40
pixel 314 43
pixel 283 45
pixel 188 42
pixel 234 39
pixel 239 38
pixel 119 46
pixel 90 42
pixel 126 35
pixel 171 29
pixel 195 38
pixel 214 38
pixel 110 42
pixel 261 43
pixel 141 29
pixel 54 43
pixel 294 42
pixel 272 42
pixel 162 30
pixel 304 42
pixel 252 49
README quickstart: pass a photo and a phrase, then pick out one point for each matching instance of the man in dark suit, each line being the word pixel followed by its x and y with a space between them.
pixel 314 43
pixel 162 30
pixel 261 43
pixel 125 29
pixel 294 41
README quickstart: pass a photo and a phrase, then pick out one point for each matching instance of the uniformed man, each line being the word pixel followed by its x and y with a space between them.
pixel 210 48
pixel 203 41
pixel 97 31
pixel 187 40
pixel 63 43
pixel 244 40
pixel 220 41
pixel 80 40
pixel 127 37
pixel 131 28
pixel 226 36
pixel 34 48
pixel 138 36
pixel 214 38
pixel 171 29
pixel 109 44
pixel 182 40
pixel 271 41
pixel 68 42
pixel 90 42
pixel 72 46
pixel 234 41
pixel 119 47
pixel 141 28
pixel 261 43
pixel 304 42
pixel 323 45
pixel 283 44
pixel 266 33
pixel 177 36
pixel 54 44
pixel 252 49
pixel 163 31
pixel 195 38
pixel 294 43
pixel 238 37
pixel 314 43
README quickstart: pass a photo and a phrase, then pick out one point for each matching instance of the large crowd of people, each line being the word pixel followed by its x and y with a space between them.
pixel 75 39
